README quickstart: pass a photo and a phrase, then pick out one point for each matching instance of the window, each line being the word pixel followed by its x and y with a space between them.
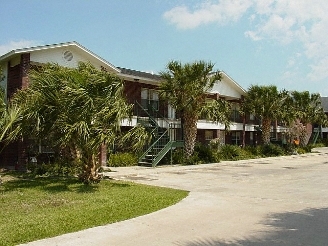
pixel 149 99
pixel 208 135
pixel 251 117
pixel 235 138
pixel 235 115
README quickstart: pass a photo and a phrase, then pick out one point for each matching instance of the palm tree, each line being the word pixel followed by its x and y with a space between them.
pixel 2 111
pixel 267 103
pixel 185 87
pixel 9 114
pixel 306 109
pixel 77 108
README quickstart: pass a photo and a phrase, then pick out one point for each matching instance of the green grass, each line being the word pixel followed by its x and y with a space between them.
pixel 38 208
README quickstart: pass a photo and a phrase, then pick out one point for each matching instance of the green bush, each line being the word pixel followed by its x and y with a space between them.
pixel 122 160
pixel 205 153
pixel 301 151
pixel 202 154
pixel 58 168
pixel 231 152
pixel 192 160
pixel 272 150
pixel 253 151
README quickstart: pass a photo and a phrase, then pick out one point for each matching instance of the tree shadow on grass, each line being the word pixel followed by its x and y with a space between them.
pixel 307 227
pixel 54 184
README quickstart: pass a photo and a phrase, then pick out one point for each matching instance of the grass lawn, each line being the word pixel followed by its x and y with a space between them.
pixel 36 208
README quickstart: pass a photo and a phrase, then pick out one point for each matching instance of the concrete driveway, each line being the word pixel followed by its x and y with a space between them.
pixel 272 201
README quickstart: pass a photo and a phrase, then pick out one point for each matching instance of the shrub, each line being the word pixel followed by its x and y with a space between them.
pixel 230 152
pixel 205 153
pixel 192 160
pixel 122 160
pixel 272 150
pixel 301 151
pixel 58 168
pixel 253 151
pixel 177 156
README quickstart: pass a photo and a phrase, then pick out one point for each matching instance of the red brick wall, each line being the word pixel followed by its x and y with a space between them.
pixel 200 136
pixel 16 154
pixel 14 80
pixel 18 75
pixel 24 69
pixel 132 91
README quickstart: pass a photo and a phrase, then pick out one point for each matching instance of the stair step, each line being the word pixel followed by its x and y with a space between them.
pixel 142 163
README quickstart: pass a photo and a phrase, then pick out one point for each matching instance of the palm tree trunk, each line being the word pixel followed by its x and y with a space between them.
pixel 190 133
pixel 266 127
pixel 90 170
pixel 304 136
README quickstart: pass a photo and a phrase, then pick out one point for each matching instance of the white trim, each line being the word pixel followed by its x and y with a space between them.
pixel 234 82
pixel 59 45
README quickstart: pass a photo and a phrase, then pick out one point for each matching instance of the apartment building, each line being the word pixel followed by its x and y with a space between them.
pixel 140 89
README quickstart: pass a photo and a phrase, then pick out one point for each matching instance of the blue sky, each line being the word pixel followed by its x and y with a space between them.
pixel 280 42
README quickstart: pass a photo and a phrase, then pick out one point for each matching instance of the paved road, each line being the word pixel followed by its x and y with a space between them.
pixel 272 201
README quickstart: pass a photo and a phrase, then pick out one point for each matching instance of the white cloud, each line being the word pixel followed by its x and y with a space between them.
pixel 253 35
pixel 4 48
pixel 285 21
pixel 221 12
pixel 297 21
pixel 291 62
pixel 319 70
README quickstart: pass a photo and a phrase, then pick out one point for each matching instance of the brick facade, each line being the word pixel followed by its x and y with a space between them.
pixel 15 155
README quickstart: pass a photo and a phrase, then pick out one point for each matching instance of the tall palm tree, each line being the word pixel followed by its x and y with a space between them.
pixel 267 103
pixel 77 108
pixel 185 87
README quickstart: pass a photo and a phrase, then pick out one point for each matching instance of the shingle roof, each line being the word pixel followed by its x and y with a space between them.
pixel 139 73
pixel 324 103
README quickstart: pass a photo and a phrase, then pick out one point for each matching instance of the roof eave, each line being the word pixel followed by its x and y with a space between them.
pixel 139 79
pixel 50 46
pixel 237 85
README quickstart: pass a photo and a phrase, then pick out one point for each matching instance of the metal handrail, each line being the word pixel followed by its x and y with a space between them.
pixel 159 144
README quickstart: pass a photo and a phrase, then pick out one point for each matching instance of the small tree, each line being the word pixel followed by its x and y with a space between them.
pixel 305 108
pixel 267 103
pixel 77 108
pixel 185 87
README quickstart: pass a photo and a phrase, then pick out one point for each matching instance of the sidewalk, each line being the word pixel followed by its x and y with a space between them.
pixel 269 201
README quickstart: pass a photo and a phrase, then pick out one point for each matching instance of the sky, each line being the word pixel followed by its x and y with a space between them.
pixel 256 42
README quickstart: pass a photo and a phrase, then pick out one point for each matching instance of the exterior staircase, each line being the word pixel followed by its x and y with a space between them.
pixel 314 136
pixel 164 134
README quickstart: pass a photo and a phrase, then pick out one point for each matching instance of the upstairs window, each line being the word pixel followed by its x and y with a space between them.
pixel 149 99
pixel 235 115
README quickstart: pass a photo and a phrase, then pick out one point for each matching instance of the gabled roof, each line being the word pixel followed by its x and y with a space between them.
pixel 58 45
pixel 235 84
pixel 228 88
